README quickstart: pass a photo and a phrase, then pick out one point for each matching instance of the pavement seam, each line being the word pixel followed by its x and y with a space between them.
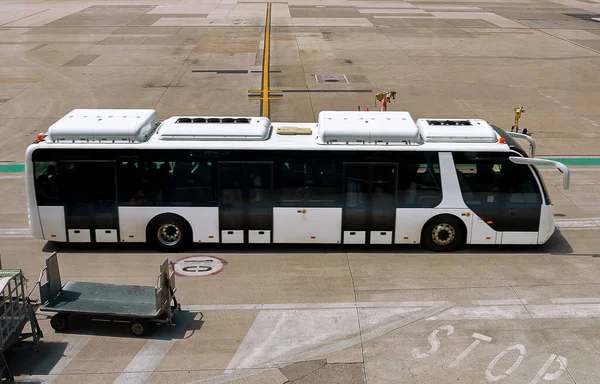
pixel 312 109
pixel 433 77
pixel 182 68
pixel 362 348
pixel 533 319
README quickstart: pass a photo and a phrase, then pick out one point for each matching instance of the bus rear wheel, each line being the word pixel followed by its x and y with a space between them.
pixel 169 233
pixel 443 234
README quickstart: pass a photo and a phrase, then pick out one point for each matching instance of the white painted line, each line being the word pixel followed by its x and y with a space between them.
pixel 499 302
pixel 11 176
pixel 471 347
pixel 572 168
pixel 576 300
pixel 481 337
pixel 15 232
pixel 487 312
pixel 507 312
pixel 75 344
pixel 281 337
pixel 145 361
pixel 568 224
pixel 258 307
pixel 564 311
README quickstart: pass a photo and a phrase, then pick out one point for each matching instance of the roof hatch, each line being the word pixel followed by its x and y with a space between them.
pixel 456 131
pixel 103 125
pixel 215 128
pixel 356 127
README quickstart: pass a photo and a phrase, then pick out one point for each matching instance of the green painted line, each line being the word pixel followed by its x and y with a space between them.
pixel 577 161
pixel 12 168
pixel 568 161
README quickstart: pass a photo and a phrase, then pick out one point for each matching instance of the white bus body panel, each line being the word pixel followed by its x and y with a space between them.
pixel 53 223
pixel 307 225
pixel 519 238
pixel 410 222
pixel 259 237
pixel 106 236
pixel 355 237
pixel 547 225
pixel 33 215
pixel 232 236
pixel 381 237
pixel 482 233
pixel 203 220
pixel 79 235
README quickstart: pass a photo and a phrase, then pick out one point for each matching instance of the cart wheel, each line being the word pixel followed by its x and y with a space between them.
pixel 138 329
pixel 59 322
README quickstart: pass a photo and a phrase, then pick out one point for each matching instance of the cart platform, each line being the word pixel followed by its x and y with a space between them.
pixel 118 302
pixel 110 299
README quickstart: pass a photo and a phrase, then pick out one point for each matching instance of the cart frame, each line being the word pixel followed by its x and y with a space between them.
pixel 133 304
pixel 16 311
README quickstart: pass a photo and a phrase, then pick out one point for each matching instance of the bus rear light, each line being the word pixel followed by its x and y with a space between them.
pixel 490 222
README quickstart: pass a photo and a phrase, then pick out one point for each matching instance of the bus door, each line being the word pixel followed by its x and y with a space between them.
pixel 370 203
pixel 90 193
pixel 245 203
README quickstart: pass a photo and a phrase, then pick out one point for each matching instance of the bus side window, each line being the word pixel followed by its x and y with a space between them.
pixel 479 178
pixel 47 183
pixel 519 184
pixel 303 182
pixel 419 181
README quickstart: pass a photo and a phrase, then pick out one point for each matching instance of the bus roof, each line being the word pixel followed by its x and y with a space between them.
pixel 335 130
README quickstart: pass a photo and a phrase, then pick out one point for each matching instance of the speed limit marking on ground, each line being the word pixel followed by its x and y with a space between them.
pixel 195 266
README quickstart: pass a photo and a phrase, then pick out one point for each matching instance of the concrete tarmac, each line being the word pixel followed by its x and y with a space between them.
pixel 321 314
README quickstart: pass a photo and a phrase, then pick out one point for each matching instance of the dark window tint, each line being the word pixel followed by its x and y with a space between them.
pixel 419 181
pixel 486 178
pixel 165 183
pixel 384 185
pixel 47 183
pixel 309 182
pixel 504 194
pixel 232 197
pixel 357 198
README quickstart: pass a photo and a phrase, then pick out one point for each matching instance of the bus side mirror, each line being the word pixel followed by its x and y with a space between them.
pixel 560 166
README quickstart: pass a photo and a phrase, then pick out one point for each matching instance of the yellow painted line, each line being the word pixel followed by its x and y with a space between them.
pixel 260 98
pixel 20 80
pixel 266 63
pixel 261 91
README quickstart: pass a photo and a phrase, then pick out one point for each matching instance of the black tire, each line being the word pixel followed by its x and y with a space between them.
pixel 444 233
pixel 138 328
pixel 169 233
pixel 59 322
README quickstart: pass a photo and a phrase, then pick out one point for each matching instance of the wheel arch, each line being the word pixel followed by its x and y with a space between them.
pixel 441 216
pixel 162 216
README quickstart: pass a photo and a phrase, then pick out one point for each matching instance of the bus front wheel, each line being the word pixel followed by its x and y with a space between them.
pixel 169 233
pixel 443 233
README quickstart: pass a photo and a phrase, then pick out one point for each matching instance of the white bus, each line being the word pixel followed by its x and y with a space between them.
pixel 352 178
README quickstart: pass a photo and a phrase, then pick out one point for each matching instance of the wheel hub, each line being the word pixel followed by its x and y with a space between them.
pixel 169 234
pixel 443 234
